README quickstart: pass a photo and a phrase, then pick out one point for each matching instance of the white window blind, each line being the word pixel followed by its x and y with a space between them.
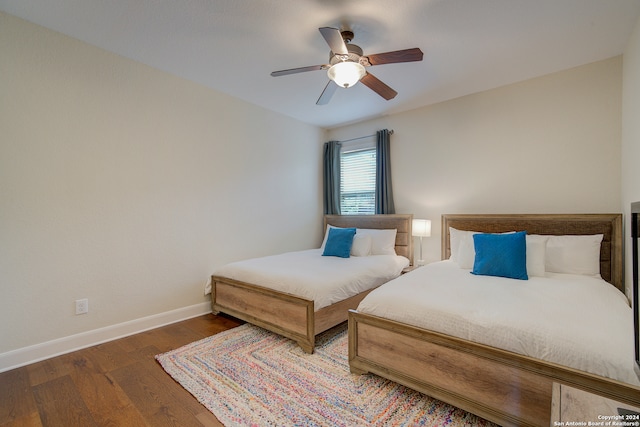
pixel 358 181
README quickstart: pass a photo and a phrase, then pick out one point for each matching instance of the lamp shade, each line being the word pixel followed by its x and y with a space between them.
pixel 421 227
pixel 347 73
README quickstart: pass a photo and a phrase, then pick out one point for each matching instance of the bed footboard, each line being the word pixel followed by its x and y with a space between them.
pixel 503 387
pixel 284 314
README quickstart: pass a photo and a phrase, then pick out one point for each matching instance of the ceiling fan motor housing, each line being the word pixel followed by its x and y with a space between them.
pixel 354 55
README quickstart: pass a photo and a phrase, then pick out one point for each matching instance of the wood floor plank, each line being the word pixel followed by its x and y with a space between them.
pixel 158 402
pixel 174 335
pixel 18 405
pixel 29 420
pixel 107 402
pixel 206 418
pixel 60 404
pixel 47 370
pixel 118 383
pixel 109 356
pixel 146 355
pixel 207 326
pixel 137 341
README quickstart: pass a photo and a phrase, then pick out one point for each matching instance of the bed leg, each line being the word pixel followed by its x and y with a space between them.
pixel 357 371
pixel 213 308
pixel 306 347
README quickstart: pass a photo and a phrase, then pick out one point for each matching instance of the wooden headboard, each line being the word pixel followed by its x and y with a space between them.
pixel 610 225
pixel 400 222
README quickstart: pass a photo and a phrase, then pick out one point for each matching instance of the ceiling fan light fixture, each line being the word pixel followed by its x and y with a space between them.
pixel 346 74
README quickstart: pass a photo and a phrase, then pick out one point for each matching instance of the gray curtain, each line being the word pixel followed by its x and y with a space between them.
pixel 384 192
pixel 331 174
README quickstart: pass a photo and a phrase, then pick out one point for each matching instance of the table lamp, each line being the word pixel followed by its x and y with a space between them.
pixel 421 228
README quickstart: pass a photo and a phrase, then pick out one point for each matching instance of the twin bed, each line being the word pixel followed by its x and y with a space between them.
pixel 498 347
pixel 306 293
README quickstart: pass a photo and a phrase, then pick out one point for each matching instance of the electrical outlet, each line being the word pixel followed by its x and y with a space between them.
pixel 82 306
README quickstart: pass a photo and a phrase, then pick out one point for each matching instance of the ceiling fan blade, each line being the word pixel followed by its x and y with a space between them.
pixel 406 55
pixel 327 93
pixel 334 39
pixel 299 70
pixel 376 85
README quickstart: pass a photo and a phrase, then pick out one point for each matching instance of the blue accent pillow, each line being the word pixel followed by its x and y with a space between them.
pixel 339 242
pixel 502 255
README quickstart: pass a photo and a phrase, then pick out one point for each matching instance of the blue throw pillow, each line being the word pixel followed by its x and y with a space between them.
pixel 503 255
pixel 339 242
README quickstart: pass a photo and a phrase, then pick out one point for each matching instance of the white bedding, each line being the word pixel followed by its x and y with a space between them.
pixel 578 321
pixel 323 279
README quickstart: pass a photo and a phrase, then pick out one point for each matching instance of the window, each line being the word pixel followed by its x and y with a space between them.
pixel 364 171
pixel 358 179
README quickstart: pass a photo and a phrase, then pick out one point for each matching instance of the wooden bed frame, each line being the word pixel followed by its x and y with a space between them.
pixel 501 386
pixel 290 315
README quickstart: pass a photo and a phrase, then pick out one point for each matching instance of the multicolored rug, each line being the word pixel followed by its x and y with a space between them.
pixel 248 376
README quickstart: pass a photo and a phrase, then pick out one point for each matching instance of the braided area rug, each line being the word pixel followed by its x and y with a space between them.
pixel 248 376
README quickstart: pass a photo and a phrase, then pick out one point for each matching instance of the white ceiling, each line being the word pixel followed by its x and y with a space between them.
pixel 233 45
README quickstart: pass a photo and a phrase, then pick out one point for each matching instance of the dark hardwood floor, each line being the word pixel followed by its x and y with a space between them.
pixel 118 383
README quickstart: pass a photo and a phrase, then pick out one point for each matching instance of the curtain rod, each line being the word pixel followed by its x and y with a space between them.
pixel 363 137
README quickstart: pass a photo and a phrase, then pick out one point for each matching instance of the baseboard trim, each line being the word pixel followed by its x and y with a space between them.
pixel 37 352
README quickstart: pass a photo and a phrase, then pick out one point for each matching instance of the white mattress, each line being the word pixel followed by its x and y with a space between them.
pixel 323 279
pixel 578 321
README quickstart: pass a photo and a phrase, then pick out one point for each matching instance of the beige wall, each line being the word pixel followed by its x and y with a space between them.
pixel 546 145
pixel 128 186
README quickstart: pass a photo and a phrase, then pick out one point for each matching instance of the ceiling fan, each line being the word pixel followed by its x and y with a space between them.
pixel 347 62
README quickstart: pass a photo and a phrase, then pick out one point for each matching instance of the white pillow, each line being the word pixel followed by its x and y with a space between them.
pixel 574 254
pixel 383 242
pixel 459 241
pixel 467 251
pixel 361 245
pixel 536 252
